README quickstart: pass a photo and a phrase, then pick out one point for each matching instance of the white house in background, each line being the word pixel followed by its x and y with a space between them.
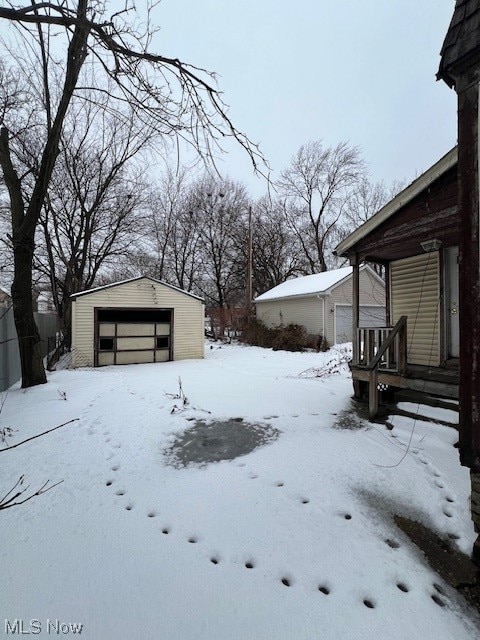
pixel 322 303
pixel 135 321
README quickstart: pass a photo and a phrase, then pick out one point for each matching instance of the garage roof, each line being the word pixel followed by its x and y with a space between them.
pixel 117 284
pixel 316 284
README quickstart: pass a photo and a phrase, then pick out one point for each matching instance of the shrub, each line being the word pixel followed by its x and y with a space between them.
pixel 256 333
pixel 292 337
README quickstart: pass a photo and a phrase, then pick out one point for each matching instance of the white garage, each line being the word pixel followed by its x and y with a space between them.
pixel 136 321
pixel 370 316
pixel 322 303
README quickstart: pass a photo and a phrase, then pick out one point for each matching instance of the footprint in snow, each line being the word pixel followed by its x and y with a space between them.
pixel 393 544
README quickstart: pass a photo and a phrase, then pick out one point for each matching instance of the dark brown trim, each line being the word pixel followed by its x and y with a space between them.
pixel 172 329
pixel 95 336
pixel 469 294
pixel 388 313
pixel 355 308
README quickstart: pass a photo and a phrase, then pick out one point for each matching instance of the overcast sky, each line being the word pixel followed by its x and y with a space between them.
pixel 356 70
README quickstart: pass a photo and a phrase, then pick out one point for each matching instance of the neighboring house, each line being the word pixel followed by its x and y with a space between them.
pixel 322 303
pixel 136 321
pixel 415 237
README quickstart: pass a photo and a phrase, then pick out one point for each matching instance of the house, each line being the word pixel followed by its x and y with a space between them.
pixel 322 303
pixel 136 321
pixel 460 69
pixel 415 237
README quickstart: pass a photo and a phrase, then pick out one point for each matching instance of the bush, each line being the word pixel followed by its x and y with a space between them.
pixel 256 333
pixel 293 337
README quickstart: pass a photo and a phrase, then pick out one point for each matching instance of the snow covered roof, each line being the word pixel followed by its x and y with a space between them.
pixel 318 283
pixel 116 284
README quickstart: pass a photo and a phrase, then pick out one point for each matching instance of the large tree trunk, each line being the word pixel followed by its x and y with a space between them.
pixel 29 345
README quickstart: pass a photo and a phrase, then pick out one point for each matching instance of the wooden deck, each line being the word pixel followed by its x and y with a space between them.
pixel 442 381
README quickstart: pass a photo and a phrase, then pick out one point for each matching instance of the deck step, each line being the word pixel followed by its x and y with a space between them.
pixel 409 395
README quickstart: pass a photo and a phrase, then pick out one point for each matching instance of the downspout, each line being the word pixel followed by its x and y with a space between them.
pixel 322 298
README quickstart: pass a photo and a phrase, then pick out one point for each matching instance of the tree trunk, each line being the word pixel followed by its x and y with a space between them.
pixel 29 343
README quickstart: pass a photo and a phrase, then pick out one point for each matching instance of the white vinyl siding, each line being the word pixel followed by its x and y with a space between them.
pixel 415 293
pixel 372 294
pixel 188 318
pixel 308 310
pixel 305 311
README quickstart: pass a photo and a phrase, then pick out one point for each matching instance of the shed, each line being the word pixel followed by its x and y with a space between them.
pixel 136 321
pixel 322 303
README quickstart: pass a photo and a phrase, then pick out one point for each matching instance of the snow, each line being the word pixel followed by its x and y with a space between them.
pixel 306 285
pixel 435 413
pixel 134 548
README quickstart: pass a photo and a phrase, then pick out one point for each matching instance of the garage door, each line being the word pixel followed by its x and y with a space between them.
pixel 369 317
pixel 133 336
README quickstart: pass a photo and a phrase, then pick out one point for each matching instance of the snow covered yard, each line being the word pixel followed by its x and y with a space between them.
pixel 293 540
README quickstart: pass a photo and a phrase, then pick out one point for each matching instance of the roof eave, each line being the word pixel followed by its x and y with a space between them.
pixel 448 161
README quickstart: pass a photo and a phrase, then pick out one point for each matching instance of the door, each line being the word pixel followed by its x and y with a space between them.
pixel 451 286
pixel 133 336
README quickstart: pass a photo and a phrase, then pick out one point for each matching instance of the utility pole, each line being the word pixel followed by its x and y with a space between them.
pixel 249 294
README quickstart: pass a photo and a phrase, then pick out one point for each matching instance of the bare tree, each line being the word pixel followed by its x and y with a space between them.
pixel 277 253
pixel 180 99
pixel 316 190
pixel 219 209
pixel 90 215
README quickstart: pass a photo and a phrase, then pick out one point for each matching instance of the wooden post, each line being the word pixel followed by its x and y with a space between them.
pixel 402 349
pixel 387 294
pixel 355 306
pixel 373 394
pixel 469 289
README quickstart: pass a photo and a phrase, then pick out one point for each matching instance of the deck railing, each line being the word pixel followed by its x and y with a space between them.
pixel 381 349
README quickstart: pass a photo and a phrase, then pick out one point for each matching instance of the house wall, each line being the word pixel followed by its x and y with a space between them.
pixel 188 329
pixel 306 311
pixel 372 293
pixel 415 292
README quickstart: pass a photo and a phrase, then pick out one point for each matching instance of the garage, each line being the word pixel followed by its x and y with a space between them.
pixel 370 316
pixel 136 321
pixel 322 303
